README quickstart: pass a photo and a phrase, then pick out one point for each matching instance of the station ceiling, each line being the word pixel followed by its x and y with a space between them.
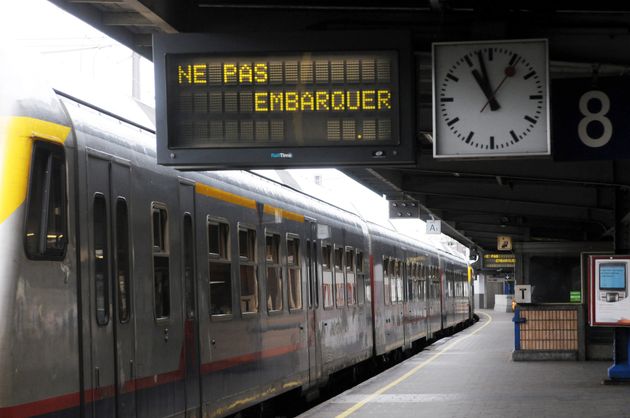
pixel 531 200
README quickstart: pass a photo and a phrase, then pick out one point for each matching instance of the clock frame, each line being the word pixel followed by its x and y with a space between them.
pixel 491 99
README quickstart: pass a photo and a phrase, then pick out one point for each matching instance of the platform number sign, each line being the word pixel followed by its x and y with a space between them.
pixel 598 116
pixel 591 119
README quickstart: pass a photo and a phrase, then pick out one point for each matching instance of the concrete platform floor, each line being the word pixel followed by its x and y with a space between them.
pixel 471 374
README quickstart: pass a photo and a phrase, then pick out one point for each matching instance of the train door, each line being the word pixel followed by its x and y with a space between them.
pixel 112 329
pixel 191 324
pixel 314 348
pixel 408 306
pixel 124 330
pixel 435 303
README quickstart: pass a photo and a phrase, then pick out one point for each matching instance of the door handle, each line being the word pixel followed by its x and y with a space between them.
pixel 166 334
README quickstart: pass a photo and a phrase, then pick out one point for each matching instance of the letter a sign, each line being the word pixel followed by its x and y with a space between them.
pixel 434 227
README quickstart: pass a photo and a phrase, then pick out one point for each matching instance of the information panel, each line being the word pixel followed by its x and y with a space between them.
pixel 250 103
pixel 609 278
pixel 499 261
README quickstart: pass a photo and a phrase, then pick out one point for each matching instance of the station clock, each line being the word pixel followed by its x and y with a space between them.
pixel 490 99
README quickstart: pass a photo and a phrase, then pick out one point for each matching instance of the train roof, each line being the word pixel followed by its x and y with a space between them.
pixel 140 115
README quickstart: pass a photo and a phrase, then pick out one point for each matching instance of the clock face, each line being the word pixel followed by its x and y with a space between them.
pixel 490 99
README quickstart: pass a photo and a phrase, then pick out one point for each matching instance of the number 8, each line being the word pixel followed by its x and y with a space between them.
pixel 594 117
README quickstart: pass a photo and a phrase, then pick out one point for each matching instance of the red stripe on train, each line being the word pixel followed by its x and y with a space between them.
pixel 40 407
pixel 234 361
pixel 62 402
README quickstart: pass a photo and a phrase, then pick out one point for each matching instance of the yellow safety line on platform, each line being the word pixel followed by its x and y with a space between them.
pixel 411 372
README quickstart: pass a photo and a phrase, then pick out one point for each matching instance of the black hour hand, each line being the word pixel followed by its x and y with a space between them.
pixel 487 91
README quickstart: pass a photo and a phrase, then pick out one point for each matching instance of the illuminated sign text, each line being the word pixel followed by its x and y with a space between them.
pixel 304 99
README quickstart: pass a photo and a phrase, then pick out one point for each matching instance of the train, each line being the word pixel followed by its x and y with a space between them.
pixel 129 289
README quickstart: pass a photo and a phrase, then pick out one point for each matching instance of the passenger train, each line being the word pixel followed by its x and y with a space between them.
pixel 128 289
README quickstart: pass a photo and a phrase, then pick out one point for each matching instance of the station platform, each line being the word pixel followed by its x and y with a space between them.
pixel 471 374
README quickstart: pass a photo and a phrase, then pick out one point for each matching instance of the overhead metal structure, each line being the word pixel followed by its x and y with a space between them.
pixel 532 200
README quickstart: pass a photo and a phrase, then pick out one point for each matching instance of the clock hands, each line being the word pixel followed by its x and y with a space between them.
pixel 509 71
pixel 484 83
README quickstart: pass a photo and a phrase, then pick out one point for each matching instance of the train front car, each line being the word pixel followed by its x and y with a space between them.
pixel 38 305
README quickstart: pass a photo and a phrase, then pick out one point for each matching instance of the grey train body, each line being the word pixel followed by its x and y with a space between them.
pixel 130 289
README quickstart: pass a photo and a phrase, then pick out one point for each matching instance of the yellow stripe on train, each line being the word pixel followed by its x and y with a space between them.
pixel 235 199
pixel 225 196
pixel 279 212
pixel 17 134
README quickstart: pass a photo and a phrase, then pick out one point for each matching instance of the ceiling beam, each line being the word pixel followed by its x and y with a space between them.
pixel 97 1
pixel 125 19
pixel 594 173
pixel 502 208
pixel 507 189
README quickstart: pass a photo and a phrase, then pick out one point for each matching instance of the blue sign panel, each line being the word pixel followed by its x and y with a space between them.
pixel 591 118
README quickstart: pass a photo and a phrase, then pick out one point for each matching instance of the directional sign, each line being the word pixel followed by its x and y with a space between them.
pixel 434 227
pixel 590 119
pixel 523 293
pixel 504 243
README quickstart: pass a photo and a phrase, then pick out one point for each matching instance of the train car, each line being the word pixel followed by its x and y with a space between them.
pixel 128 289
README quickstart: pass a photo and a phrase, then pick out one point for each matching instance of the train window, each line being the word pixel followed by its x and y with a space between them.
pixel 274 272
pixel 101 259
pixel 466 285
pixel 159 229
pixel 45 237
pixel 123 252
pixel 189 266
pixel 327 281
pixel 416 280
pixel 410 280
pixel 219 268
pixel 218 239
pixel 247 262
pixel 362 287
pixel 421 281
pixel 295 273
pixel 351 289
pixel 392 280
pixel 386 277
pixel 340 292
pixel 161 281
pixel 312 283
pixel 399 281
pixel 435 283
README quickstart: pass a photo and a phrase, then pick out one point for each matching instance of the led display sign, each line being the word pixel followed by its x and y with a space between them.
pixel 227 101
pixel 498 261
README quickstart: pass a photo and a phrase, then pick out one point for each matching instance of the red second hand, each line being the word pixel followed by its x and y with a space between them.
pixel 509 72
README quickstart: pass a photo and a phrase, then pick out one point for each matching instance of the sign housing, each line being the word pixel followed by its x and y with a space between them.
pixel 284 99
